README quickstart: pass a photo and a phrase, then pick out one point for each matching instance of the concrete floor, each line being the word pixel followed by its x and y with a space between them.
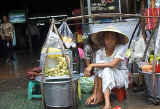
pixel 13 87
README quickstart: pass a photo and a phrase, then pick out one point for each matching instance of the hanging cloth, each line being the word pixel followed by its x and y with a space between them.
pixel 153 11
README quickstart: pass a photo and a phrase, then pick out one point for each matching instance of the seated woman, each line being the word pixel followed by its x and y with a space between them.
pixel 90 49
pixel 111 70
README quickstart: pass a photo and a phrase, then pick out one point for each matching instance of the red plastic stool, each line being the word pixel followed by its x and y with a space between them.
pixel 120 92
pixel 117 107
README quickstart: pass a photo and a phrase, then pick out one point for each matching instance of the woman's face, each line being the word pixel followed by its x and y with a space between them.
pixel 110 39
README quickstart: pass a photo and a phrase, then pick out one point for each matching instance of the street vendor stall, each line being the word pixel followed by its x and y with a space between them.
pixel 55 53
pixel 58 85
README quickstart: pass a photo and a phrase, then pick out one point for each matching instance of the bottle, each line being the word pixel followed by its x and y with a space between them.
pixel 158 66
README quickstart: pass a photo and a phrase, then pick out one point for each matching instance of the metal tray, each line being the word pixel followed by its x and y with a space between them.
pixel 38 78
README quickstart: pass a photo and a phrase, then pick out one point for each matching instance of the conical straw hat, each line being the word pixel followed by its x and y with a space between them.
pixel 97 37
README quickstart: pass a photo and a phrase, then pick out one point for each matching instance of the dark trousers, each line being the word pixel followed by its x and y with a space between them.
pixel 2 54
pixel 8 49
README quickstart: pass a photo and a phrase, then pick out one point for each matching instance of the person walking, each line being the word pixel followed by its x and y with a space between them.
pixel 7 33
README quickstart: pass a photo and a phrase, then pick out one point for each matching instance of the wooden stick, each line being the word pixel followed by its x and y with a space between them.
pixel 133 34
pixel 154 83
pixel 42 75
pixel 82 8
pixel 41 84
pixel 67 61
pixel 103 15
pixel 100 15
pixel 148 43
pixel 110 15
pixel 142 19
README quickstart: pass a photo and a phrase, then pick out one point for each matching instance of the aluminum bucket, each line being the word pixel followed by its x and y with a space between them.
pixel 148 81
pixel 58 93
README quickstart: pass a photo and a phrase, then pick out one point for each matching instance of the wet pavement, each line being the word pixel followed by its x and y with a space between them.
pixel 24 60
pixel 13 73
pixel 13 86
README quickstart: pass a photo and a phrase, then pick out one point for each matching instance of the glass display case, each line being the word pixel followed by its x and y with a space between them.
pixel 101 6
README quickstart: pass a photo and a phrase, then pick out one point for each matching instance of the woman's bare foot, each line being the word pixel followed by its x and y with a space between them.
pixel 107 107
pixel 100 98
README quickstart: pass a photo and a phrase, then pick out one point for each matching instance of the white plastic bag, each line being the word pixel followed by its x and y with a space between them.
pixel 52 59
pixel 52 41
pixel 66 34
pixel 139 47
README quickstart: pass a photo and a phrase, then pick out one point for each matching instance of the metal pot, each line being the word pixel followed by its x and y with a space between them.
pixel 149 84
pixel 58 93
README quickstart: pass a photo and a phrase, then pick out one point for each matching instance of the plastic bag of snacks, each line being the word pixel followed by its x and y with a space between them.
pixel 53 58
pixel 66 34
pixel 54 45
pixel 87 84
pixel 56 64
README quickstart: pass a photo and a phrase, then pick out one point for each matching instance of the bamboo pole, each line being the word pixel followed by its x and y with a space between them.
pixel 42 75
pixel 82 9
pixel 148 43
pixel 100 15
pixel 135 5
pixel 42 83
pixel 120 10
pixel 67 61
pixel 110 15
pixel 154 67
pixel 89 10
pixel 103 15
pixel 127 6
pixel 142 19
pixel 154 84
pixel 133 34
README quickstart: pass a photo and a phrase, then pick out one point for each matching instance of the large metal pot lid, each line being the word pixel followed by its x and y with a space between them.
pixel 59 78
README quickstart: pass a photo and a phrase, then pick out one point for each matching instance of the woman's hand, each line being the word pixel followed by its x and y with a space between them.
pixel 88 70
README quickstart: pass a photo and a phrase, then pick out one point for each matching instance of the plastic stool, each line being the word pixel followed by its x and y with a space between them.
pixel 121 93
pixel 31 85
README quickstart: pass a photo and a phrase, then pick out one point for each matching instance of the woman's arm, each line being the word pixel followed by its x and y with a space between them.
pixel 12 30
pixel 111 64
